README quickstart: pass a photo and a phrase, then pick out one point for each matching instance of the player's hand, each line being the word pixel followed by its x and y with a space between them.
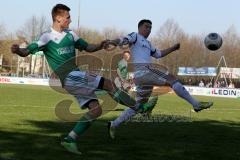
pixel 110 45
pixel 176 46
pixel 105 43
pixel 15 48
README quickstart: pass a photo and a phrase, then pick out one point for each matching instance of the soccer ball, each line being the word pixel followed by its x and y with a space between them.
pixel 213 41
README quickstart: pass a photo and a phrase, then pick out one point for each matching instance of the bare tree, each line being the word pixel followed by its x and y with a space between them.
pixel 5 43
pixel 2 31
pixel 231 48
pixel 168 34
pixel 30 31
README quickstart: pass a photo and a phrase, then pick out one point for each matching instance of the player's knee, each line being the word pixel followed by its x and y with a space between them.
pixel 95 109
pixel 171 79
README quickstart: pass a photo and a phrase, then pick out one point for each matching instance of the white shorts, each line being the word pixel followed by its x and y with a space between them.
pixel 145 79
pixel 82 86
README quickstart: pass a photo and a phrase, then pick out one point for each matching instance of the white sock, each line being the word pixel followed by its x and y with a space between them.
pixel 126 114
pixel 183 93
pixel 73 135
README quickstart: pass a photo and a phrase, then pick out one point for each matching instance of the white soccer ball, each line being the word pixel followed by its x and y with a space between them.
pixel 213 41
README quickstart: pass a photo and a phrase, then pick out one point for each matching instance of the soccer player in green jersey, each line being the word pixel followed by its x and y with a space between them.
pixel 122 79
pixel 58 45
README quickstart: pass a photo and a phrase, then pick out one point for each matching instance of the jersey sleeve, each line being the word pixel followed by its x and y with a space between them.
pixel 80 43
pixel 39 44
pixel 119 65
pixel 130 38
pixel 156 53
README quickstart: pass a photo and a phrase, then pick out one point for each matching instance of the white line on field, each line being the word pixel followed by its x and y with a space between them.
pixel 15 105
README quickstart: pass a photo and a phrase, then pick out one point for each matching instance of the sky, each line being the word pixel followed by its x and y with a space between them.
pixel 193 16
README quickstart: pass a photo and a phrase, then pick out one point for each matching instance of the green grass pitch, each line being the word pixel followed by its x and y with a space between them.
pixel 30 130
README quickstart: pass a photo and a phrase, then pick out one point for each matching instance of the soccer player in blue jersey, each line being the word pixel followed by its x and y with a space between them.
pixel 146 76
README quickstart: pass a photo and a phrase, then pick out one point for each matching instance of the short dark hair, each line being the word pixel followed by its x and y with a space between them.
pixel 140 23
pixel 58 9
pixel 126 51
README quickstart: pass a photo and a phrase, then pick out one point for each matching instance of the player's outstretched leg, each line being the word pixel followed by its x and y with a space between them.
pixel 126 114
pixel 123 97
pixel 183 93
pixel 70 141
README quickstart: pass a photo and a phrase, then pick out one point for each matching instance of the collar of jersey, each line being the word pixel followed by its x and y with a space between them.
pixel 60 36
pixel 56 32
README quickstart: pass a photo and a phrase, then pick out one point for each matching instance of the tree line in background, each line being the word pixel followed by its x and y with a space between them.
pixel 192 52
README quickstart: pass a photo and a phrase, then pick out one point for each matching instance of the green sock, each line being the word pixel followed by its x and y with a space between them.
pixel 83 124
pixel 123 98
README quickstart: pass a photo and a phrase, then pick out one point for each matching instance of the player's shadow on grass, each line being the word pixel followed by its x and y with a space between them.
pixel 164 140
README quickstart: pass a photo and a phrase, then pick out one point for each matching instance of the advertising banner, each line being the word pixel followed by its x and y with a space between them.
pixel 18 80
pixel 215 92
pixel 232 73
pixel 192 71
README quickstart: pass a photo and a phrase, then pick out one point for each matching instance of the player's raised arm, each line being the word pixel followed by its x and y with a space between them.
pixel 23 52
pixel 81 44
pixel 169 50
pixel 96 47
pixel 129 39
pixel 32 48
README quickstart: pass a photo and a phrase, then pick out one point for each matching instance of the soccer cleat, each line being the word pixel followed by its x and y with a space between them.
pixel 203 105
pixel 148 107
pixel 111 130
pixel 70 146
pixel 153 103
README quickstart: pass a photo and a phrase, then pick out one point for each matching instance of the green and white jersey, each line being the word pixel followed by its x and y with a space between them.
pixel 122 66
pixel 59 49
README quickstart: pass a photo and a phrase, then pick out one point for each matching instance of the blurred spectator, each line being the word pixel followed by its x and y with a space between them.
pixel 231 85
pixel 201 84
pixel 223 84
pixel 217 84
pixel 190 82
pixel 209 85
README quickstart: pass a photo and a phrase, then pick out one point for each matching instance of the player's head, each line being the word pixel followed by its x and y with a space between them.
pixel 144 27
pixel 61 16
pixel 126 55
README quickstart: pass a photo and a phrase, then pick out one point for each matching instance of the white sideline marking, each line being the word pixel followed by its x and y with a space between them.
pixel 209 110
pixel 2 105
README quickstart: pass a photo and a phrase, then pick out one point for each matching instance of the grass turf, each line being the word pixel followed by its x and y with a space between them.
pixel 29 129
